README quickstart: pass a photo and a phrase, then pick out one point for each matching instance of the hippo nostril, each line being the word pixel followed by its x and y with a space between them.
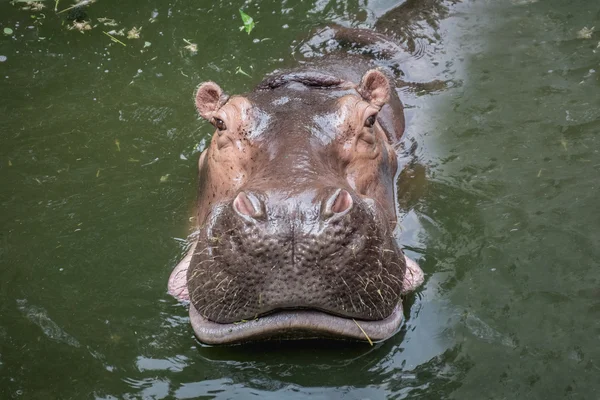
pixel 343 202
pixel 247 205
pixel 339 203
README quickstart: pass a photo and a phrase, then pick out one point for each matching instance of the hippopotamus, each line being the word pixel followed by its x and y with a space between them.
pixel 296 208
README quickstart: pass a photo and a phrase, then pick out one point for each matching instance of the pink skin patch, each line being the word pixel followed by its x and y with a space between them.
pixel 413 278
pixel 178 279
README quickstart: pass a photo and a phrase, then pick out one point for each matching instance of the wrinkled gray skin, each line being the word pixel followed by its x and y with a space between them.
pixel 296 208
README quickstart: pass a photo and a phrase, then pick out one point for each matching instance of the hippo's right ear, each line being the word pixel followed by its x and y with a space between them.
pixel 375 87
pixel 209 98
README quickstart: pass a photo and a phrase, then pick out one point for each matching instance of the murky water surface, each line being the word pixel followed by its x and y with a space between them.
pixel 99 143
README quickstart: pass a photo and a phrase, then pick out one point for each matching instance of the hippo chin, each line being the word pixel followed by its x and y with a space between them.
pixel 296 209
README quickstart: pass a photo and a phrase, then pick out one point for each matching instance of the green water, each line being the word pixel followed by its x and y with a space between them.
pixel 98 147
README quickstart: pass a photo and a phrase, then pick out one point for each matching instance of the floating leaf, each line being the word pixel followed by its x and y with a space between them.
pixel 107 21
pixel 164 178
pixel 248 22
pixel 134 33
pixel 147 44
pixel 564 144
pixel 118 144
pixel 239 70
pixel 586 33
pixel 114 32
pixel 80 26
pixel 33 6
pixel 8 31
pixel 191 47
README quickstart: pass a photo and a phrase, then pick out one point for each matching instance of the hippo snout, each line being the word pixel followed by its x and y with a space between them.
pixel 320 251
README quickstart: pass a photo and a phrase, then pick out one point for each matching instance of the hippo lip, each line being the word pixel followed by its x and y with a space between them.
pixel 295 324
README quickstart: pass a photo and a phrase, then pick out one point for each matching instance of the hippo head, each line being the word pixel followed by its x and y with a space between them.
pixel 296 211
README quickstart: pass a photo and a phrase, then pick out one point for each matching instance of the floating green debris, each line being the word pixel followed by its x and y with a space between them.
pixel 80 4
pixel 147 44
pixel 153 16
pixel 164 178
pixel 31 5
pixel 38 19
pixel 9 163
pixel 563 142
pixel 134 33
pixel 118 144
pixel 8 31
pixel 107 21
pixel 98 173
pixel 191 47
pixel 586 33
pixel 114 39
pixel 248 22
pixel 239 70
pixel 120 32
pixel 80 26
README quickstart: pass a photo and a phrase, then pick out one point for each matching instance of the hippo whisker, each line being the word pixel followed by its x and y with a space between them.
pixel 389 288
pixel 374 307
pixel 205 250
pixel 222 300
pixel 224 279
pixel 362 301
pixel 196 274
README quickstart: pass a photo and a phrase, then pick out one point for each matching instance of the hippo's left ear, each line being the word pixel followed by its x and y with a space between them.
pixel 375 87
pixel 209 98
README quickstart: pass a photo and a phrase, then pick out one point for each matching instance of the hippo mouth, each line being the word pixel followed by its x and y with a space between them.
pixel 292 323
pixel 295 324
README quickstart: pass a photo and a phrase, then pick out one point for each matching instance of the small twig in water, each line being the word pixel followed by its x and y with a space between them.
pixel 80 4
pixel 114 39
pixel 363 331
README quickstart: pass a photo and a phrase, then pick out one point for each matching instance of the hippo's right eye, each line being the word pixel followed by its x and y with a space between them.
pixel 369 122
pixel 219 124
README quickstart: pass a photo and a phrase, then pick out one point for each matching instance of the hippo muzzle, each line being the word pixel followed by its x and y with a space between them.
pixel 296 214
pixel 324 255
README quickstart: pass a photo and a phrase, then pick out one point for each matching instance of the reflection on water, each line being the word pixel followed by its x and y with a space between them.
pixel 39 316
pixel 498 200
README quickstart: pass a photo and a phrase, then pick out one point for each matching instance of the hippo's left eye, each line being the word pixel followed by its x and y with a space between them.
pixel 369 122
pixel 220 124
